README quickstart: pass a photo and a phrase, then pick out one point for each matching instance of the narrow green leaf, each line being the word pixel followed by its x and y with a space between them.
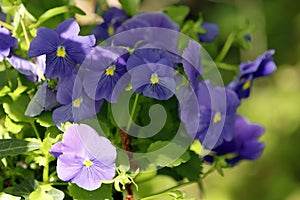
pixel 130 6
pixel 104 192
pixel 14 147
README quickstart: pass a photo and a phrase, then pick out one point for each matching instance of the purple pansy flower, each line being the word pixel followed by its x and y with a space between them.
pixel 84 157
pixel 7 42
pixel 212 31
pixel 262 66
pixel 244 145
pixel 155 29
pixel 76 105
pixel 113 18
pixel 152 73
pixel 217 113
pixel 192 62
pixel 63 47
pixel 33 71
pixel 102 69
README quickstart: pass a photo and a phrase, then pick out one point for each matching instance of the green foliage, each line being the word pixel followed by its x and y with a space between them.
pixel 130 6
pixel 14 147
pixel 24 189
pixel 178 13
pixel 104 192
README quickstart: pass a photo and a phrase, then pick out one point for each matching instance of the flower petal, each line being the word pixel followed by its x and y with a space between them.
pixel 68 28
pixel 45 42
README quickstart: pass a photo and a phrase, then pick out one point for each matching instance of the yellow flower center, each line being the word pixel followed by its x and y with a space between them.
pixel 77 102
pixel 217 117
pixel 61 52
pixel 154 79
pixel 110 71
pixel 111 30
pixel 88 163
pixel 247 85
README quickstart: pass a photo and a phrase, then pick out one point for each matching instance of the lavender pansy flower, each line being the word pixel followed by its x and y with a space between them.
pixel 212 31
pixel 7 42
pixel 192 62
pixel 217 113
pixel 244 145
pixel 113 18
pixel 76 105
pixel 152 73
pixel 63 47
pixel 84 157
pixel 262 66
pixel 102 69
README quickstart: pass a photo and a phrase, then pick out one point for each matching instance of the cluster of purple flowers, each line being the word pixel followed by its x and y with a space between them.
pixel 88 75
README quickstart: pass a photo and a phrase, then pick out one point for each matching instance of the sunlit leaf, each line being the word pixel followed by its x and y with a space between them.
pixel 14 147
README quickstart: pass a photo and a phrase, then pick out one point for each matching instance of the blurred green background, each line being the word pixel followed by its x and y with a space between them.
pixel 274 101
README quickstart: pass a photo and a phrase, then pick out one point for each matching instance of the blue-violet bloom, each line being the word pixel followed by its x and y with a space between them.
pixel 7 41
pixel 76 105
pixel 264 65
pixel 84 157
pixel 113 18
pixel 152 73
pixel 212 31
pixel 244 145
pixel 63 47
pixel 101 71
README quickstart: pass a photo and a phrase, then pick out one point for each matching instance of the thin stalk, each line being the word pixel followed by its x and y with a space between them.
pixel 132 112
pixel 46 169
pixel 35 131
pixel 6 25
pixel 25 32
pixel 226 47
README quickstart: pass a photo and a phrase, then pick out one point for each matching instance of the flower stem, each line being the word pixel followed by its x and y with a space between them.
pixel 6 25
pixel 25 32
pixel 226 47
pixel 132 112
pixel 7 75
pixel 35 131
pixel 46 169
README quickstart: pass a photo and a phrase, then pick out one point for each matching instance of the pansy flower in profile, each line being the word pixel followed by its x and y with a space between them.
pixel 211 32
pixel 84 157
pixel 152 73
pixel 264 65
pixel 8 43
pixel 75 103
pixel 63 48
pixel 217 113
pixel 101 71
pixel 113 18
pixel 244 145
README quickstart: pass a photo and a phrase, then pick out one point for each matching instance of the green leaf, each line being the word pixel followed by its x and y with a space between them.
pixel 55 193
pixel 24 189
pixel 178 13
pixel 15 109
pixel 130 6
pixel 40 194
pixel 192 168
pixel 45 119
pixel 12 126
pixel 14 147
pixel 104 192
pixel 4 91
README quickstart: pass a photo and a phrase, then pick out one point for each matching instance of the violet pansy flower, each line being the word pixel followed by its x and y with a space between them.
pixel 152 73
pixel 7 42
pixel 84 157
pixel 212 31
pixel 264 65
pixel 113 18
pixel 63 47
pixel 244 145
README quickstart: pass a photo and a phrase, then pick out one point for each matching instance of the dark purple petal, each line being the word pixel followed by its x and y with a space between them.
pixel 101 31
pixel 114 15
pixel 56 149
pixel 7 41
pixel 212 31
pixel 45 42
pixel 62 115
pixel 68 28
